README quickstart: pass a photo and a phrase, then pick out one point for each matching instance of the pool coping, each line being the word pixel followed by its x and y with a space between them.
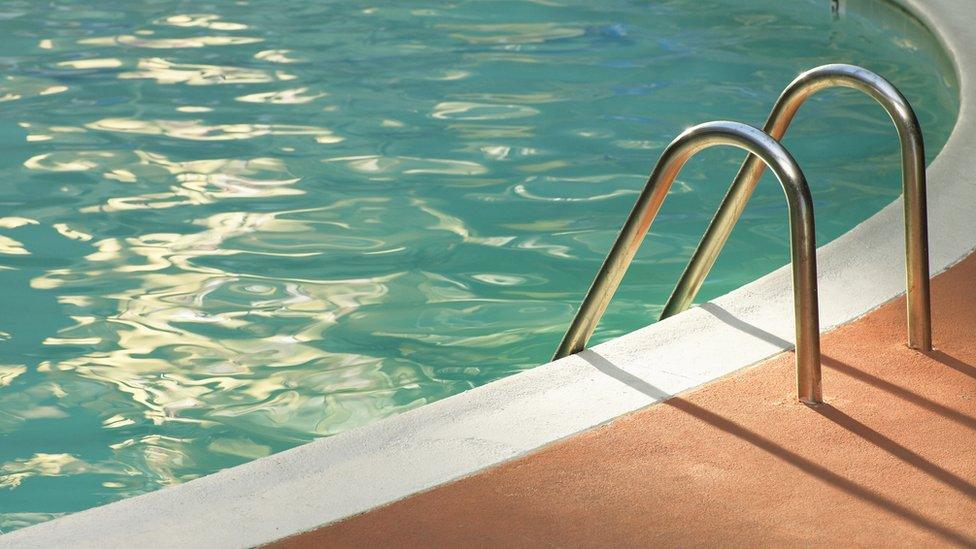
pixel 333 478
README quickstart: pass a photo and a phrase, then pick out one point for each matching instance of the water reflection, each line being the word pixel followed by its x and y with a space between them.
pixel 295 96
pixel 13 88
pixel 169 43
pixel 205 20
pixel 196 130
pixel 168 72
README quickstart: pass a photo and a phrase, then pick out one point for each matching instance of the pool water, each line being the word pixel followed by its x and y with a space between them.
pixel 226 232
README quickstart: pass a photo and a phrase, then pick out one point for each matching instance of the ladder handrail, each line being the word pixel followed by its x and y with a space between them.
pixel 803 247
pixel 913 184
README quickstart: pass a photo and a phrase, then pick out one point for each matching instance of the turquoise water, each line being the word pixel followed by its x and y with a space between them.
pixel 229 231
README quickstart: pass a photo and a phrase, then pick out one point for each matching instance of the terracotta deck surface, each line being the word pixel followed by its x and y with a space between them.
pixel 889 460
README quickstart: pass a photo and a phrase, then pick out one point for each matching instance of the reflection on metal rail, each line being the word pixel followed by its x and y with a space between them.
pixel 913 183
pixel 802 241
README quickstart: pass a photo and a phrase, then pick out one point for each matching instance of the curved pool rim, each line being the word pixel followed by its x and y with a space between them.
pixel 324 481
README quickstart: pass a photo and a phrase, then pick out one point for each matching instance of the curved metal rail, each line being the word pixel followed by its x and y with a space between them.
pixel 802 241
pixel 913 183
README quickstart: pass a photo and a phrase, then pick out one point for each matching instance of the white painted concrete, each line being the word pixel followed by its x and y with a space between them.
pixel 333 478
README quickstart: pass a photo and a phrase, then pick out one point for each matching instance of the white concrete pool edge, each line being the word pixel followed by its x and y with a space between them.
pixel 330 479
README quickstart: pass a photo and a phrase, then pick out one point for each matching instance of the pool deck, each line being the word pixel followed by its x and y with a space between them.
pixel 887 460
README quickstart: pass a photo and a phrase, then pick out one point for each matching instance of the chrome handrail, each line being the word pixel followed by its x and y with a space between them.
pixel 913 184
pixel 803 245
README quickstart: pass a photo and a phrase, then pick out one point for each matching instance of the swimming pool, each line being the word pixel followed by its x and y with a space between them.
pixel 225 233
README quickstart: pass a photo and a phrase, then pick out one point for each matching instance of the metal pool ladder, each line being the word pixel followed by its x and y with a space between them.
pixel 913 189
pixel 803 245
pixel 765 150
